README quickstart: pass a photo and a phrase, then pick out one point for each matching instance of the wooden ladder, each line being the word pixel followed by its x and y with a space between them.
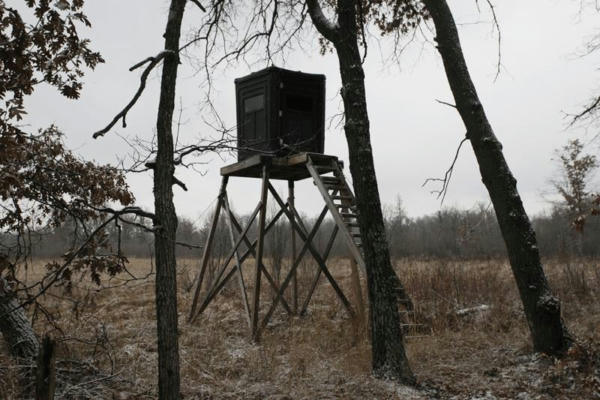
pixel 341 203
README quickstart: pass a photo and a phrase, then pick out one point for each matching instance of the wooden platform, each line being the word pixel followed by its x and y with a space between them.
pixel 291 168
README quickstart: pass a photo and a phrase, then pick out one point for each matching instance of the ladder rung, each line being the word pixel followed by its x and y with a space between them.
pixel 352 224
pixel 330 179
pixel 342 197
pixel 349 215
pixel 335 187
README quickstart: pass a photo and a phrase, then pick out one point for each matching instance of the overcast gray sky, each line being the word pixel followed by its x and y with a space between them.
pixel 413 136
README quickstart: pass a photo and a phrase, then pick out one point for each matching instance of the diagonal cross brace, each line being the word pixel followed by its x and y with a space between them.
pixel 314 253
pixel 307 246
pixel 290 274
pixel 238 262
pixel 250 251
pixel 251 246
pixel 211 293
pixel 315 281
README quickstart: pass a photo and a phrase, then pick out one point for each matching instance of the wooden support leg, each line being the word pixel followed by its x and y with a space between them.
pixel 207 248
pixel 294 277
pixel 358 298
pixel 259 249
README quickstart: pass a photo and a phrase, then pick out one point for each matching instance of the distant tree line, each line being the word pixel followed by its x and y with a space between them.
pixel 450 232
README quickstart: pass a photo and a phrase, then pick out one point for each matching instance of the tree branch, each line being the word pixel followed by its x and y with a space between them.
pixel 200 6
pixel 328 29
pixel 153 61
pixel 447 176
pixel 446 103
pixel 587 112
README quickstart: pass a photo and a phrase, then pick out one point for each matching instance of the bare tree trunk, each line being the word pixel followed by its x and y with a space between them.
pixel 166 219
pixel 15 326
pixel 388 355
pixel 542 308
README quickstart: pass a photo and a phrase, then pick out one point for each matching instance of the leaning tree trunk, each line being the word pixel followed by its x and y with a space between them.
pixel 15 326
pixel 388 355
pixel 542 308
pixel 166 219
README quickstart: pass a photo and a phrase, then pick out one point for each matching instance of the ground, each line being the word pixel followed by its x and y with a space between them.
pixel 107 345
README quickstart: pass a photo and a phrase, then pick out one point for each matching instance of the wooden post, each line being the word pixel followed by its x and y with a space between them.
pixel 359 303
pixel 45 378
pixel 259 248
pixel 294 276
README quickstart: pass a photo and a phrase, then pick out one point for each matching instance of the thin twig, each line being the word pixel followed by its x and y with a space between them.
pixel 446 103
pixel 447 176
pixel 497 26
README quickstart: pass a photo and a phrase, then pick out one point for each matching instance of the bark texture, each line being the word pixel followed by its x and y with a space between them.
pixel 15 326
pixel 388 354
pixel 45 377
pixel 542 308
pixel 166 219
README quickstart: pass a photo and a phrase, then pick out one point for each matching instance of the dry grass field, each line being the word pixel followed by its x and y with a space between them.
pixel 107 345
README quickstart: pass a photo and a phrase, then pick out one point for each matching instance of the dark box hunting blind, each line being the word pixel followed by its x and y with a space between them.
pixel 280 112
